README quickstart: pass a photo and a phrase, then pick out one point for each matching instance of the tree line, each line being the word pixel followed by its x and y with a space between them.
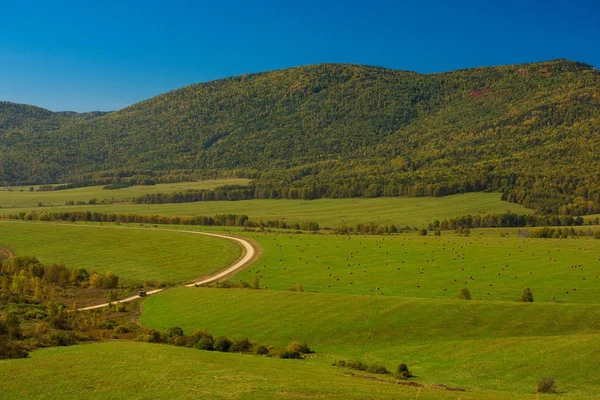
pixel 240 220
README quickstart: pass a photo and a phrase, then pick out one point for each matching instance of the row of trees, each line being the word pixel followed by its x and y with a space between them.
pixel 506 220
pixel 217 220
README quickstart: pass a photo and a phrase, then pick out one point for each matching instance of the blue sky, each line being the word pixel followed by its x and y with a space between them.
pixel 105 55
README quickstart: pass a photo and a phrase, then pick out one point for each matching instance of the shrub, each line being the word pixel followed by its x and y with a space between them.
pixel 378 369
pixel 241 346
pixel 261 350
pixel 205 343
pixel 155 336
pixel 597 235
pixel 121 329
pixel 179 340
pixel 42 328
pixel 61 338
pixel 10 349
pixel 526 296
pixel 300 347
pixel 108 324
pixel 357 365
pixel 546 385
pixel 121 307
pixel 175 331
pixel 340 364
pixel 222 344
pixel 402 371
pixel 199 334
pixel 422 232
pixel 291 354
pixel 464 294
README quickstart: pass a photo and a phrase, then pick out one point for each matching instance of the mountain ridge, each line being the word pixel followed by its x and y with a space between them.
pixel 319 128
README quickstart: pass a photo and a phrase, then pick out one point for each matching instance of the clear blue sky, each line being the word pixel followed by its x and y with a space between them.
pixel 105 55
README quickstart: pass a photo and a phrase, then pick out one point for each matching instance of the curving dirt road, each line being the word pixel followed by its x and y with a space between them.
pixel 250 253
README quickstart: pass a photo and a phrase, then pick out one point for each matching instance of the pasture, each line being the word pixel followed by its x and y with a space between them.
pixel 401 211
pixel 133 253
pixel 475 345
pixel 491 267
pixel 21 196
pixel 130 370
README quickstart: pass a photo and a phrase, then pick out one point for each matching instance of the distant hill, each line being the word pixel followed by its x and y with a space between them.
pixel 531 131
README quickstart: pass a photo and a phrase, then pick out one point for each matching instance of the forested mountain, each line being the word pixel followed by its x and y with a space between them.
pixel 531 131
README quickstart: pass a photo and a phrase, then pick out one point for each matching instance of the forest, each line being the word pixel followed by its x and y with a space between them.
pixel 529 131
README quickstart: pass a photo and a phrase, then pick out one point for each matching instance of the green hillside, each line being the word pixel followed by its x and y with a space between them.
pixel 129 370
pixel 337 130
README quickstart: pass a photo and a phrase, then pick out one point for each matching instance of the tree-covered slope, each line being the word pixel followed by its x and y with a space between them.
pixel 340 130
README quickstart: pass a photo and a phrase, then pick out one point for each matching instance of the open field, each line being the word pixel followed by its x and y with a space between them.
pixel 474 345
pixel 130 370
pixel 410 211
pixel 491 267
pixel 132 253
pixel 20 196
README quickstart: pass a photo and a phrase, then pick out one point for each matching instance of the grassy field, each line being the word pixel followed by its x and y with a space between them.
pixel 133 253
pixel 411 211
pixel 129 370
pixel 491 267
pixel 22 197
pixel 475 345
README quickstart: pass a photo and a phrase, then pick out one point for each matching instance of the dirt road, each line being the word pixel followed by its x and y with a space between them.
pixel 249 254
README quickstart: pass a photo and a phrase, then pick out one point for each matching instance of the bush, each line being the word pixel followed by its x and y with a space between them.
pixel 179 340
pixel 402 371
pixel 222 344
pixel 61 338
pixel 357 365
pixel 241 346
pixel 340 364
pixel 199 334
pixel 121 329
pixel 10 349
pixel 422 232
pixel 300 347
pixel 108 324
pixel 291 354
pixel 526 296
pixel 378 369
pixel 261 350
pixel 175 331
pixel 546 385
pixel 121 307
pixel 464 294
pixel 205 343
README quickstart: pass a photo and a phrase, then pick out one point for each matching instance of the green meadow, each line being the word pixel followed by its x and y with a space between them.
pixel 491 267
pixel 21 196
pixel 130 370
pixel 133 253
pixel 402 211
pixel 475 345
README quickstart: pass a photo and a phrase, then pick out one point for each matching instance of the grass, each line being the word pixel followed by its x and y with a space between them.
pixel 129 370
pixel 413 266
pixel 21 196
pixel 133 253
pixel 475 345
pixel 411 211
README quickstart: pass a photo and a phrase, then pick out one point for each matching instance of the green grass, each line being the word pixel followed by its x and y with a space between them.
pixel 411 211
pixel 414 266
pixel 475 345
pixel 129 370
pixel 21 196
pixel 133 253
